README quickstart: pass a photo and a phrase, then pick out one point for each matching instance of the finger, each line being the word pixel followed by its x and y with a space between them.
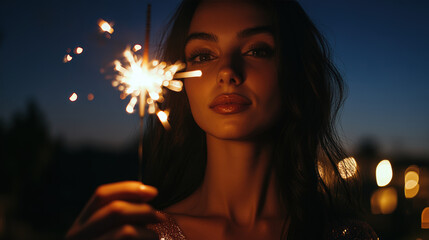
pixel 131 191
pixel 130 232
pixel 118 213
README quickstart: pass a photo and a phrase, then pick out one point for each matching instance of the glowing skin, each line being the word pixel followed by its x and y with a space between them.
pixel 235 52
pixel 236 102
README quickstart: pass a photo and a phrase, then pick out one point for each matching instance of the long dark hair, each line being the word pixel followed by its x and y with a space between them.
pixel 312 94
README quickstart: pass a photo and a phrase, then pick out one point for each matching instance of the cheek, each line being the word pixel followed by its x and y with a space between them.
pixel 198 89
pixel 196 92
pixel 266 84
pixel 267 90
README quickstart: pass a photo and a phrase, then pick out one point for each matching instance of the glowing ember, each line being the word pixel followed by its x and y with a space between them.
pixel 137 47
pixel 163 116
pixel 144 82
pixel 73 97
pixel 90 97
pixel 67 58
pixel 105 26
pixel 78 50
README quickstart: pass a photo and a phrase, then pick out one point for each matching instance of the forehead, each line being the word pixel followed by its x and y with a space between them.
pixel 227 15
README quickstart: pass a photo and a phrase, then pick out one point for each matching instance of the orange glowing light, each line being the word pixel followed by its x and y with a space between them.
pixel 163 116
pixel 67 58
pixel 137 47
pixel 411 192
pixel 425 218
pixel 90 97
pixel 105 26
pixel 144 82
pixel 78 50
pixel 411 186
pixel 347 167
pixel 383 173
pixel 73 97
pixel 189 74
pixel 384 201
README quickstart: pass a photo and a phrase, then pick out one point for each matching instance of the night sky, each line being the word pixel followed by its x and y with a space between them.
pixel 380 47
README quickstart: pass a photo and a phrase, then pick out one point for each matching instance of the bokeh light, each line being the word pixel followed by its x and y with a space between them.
pixel 425 218
pixel 384 201
pixel 383 173
pixel 411 182
pixel 347 167
pixel 90 97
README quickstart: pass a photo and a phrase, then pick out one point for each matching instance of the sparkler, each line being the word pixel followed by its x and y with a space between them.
pixel 144 83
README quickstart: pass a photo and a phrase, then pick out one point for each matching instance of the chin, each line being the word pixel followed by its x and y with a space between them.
pixel 233 132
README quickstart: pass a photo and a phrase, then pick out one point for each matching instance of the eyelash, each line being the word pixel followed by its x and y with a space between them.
pixel 198 54
pixel 254 51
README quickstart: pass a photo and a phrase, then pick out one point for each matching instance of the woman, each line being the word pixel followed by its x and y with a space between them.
pixel 247 138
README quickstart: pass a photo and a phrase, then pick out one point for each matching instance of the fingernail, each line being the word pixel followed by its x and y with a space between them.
pixel 147 188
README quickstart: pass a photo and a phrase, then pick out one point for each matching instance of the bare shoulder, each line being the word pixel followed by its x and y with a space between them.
pixel 350 229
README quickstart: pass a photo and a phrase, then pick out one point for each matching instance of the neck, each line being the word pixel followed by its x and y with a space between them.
pixel 239 184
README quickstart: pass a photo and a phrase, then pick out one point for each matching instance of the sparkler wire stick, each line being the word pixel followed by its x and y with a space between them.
pixel 142 96
pixel 144 82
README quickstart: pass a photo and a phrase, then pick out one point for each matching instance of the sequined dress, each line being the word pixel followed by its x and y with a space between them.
pixel 344 230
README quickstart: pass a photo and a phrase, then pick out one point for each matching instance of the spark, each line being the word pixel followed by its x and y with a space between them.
pixel 67 58
pixel 73 97
pixel 105 26
pixel 137 47
pixel 144 82
pixel 78 50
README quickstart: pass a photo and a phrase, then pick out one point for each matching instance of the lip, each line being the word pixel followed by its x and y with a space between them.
pixel 230 103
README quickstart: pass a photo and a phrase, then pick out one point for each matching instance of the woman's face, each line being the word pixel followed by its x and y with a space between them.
pixel 238 95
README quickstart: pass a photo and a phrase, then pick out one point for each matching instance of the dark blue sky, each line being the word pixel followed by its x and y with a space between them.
pixel 381 47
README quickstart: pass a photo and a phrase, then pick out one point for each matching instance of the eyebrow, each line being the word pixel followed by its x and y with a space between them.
pixel 248 32
pixel 255 30
pixel 201 36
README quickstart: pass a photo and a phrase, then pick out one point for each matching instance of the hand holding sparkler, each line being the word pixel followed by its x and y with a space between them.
pixel 117 211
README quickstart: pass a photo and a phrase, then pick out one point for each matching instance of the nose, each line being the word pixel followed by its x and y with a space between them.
pixel 229 74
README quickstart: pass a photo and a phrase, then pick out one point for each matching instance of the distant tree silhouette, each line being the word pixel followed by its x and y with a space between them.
pixel 45 182
pixel 28 148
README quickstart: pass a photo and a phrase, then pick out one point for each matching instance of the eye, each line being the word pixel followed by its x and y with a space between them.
pixel 201 56
pixel 261 50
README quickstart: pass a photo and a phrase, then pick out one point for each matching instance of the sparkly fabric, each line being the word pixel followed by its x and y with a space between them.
pixel 351 230
pixel 168 230
pixel 341 230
